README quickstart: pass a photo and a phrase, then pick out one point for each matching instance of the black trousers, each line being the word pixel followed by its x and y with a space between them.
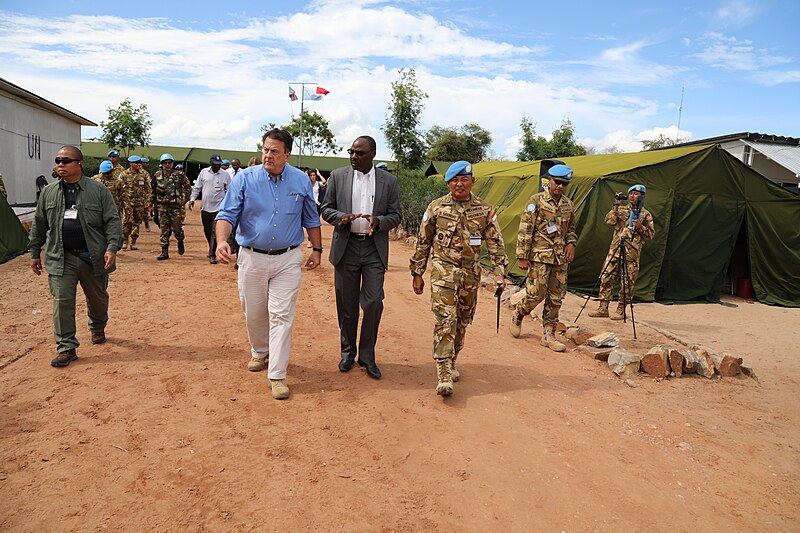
pixel 209 227
pixel 358 280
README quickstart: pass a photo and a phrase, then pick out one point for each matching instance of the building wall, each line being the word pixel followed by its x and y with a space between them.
pixel 30 136
pixel 760 163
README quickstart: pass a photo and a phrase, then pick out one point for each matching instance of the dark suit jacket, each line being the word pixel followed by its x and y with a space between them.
pixel 338 203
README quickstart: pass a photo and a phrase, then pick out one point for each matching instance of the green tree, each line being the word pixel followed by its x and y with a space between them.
pixel 662 141
pixel 402 123
pixel 536 147
pixel 127 127
pixel 468 143
pixel 317 135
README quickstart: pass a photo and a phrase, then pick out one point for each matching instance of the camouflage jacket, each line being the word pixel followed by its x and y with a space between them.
pixel 138 190
pixel 545 228
pixel 171 190
pixel 454 231
pixel 117 171
pixel 114 186
pixel 618 218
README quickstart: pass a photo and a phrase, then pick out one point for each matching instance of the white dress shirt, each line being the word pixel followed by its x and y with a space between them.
pixel 214 186
pixel 362 199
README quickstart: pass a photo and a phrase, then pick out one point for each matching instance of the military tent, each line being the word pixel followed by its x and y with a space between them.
pixel 13 237
pixel 716 221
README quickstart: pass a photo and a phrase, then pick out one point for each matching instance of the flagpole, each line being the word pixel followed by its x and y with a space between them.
pixel 302 102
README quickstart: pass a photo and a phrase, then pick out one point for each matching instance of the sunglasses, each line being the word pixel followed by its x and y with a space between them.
pixel 65 160
pixel 356 152
pixel 562 183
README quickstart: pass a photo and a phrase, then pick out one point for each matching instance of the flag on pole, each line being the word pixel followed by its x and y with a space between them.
pixel 309 95
pixel 292 94
pixel 322 91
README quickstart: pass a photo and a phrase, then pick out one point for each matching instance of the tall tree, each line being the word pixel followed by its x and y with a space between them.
pixel 318 139
pixel 534 147
pixel 662 141
pixel 127 127
pixel 562 143
pixel 468 143
pixel 402 123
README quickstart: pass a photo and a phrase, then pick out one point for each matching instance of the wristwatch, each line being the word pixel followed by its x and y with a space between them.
pixel 316 250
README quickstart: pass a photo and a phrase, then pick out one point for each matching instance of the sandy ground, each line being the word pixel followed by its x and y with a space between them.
pixel 164 429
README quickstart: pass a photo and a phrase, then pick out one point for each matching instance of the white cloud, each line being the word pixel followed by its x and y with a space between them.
pixel 739 55
pixel 627 141
pixel 736 14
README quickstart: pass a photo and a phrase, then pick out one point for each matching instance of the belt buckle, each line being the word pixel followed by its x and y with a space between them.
pixel 361 236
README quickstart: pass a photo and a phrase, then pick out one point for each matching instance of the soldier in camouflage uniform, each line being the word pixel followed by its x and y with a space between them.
pixel 149 207
pixel 138 193
pixel 634 223
pixel 172 192
pixel 116 172
pixel 453 229
pixel 112 183
pixel 545 246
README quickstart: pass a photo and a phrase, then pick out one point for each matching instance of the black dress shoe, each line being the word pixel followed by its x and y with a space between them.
pixel 345 365
pixel 372 369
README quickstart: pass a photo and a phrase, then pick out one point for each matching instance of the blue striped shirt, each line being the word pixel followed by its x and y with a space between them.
pixel 270 214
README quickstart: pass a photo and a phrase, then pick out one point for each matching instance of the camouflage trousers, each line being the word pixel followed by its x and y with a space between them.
pixel 131 222
pixel 544 282
pixel 170 220
pixel 453 309
pixel 612 272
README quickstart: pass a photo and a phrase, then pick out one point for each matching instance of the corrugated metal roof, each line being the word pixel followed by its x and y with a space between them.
pixel 785 155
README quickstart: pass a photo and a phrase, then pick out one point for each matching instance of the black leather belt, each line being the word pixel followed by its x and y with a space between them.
pixel 272 252
pixel 75 251
pixel 360 236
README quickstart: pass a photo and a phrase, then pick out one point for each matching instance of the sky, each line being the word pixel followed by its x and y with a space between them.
pixel 212 73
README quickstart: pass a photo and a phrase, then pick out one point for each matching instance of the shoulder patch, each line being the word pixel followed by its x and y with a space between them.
pixel 425 216
pixel 531 208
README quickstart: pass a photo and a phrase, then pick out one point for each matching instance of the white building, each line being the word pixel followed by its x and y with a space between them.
pixel 32 130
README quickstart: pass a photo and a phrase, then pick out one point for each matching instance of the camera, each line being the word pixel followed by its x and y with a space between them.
pixel 620 196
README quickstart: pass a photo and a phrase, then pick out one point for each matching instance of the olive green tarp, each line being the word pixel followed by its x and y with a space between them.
pixel 699 197
pixel 13 237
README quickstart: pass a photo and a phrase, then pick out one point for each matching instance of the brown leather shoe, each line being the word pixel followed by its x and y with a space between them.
pixel 64 358
pixel 98 337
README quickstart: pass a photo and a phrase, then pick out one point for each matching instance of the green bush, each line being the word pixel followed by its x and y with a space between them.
pixel 416 192
pixel 91 165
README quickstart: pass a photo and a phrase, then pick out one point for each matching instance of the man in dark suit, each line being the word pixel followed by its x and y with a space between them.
pixel 363 203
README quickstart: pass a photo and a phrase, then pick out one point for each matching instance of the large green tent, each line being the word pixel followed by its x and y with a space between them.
pixel 714 217
pixel 13 237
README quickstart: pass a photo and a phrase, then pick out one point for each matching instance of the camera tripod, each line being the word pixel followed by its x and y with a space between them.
pixel 622 276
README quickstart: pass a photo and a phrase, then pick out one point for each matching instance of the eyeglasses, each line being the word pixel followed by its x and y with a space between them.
pixel 356 152
pixel 65 160
pixel 562 183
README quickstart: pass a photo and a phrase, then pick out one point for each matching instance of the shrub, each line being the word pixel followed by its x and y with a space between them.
pixel 416 192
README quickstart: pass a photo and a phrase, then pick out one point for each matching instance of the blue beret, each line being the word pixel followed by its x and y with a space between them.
pixel 638 187
pixel 457 169
pixel 381 165
pixel 106 166
pixel 112 152
pixel 226 162
pixel 134 159
pixel 560 171
pixel 145 160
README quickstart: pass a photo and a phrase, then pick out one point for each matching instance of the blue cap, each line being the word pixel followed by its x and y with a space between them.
pixel 216 159
pixel 134 159
pixel 106 166
pixel 226 162
pixel 638 187
pixel 381 165
pixel 560 171
pixel 165 157
pixel 457 169
pixel 114 153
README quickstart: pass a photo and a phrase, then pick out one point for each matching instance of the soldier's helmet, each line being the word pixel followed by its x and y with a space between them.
pixel 165 157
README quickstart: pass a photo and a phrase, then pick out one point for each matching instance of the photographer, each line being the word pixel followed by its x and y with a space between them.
pixel 633 224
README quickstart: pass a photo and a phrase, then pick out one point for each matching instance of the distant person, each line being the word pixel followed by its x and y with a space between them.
pixel 318 185
pixel 170 195
pixel 117 170
pixel 254 162
pixel 137 193
pixel 77 223
pixel 226 166
pixel 363 204
pixel 271 204
pixel 545 246
pixel 634 224
pixel 147 210
pixel 236 167
pixel 114 185
pixel 213 182
pixel 453 229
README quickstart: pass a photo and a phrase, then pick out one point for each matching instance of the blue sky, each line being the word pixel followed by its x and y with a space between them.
pixel 213 73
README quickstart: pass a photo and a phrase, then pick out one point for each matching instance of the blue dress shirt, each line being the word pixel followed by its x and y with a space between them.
pixel 271 214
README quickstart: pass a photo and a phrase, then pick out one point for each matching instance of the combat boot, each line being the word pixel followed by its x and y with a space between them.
pixel 133 244
pixel 549 339
pixel 181 249
pixel 125 244
pixel 443 372
pixel 455 374
pixel 602 311
pixel 515 326
pixel 164 252
pixel 618 313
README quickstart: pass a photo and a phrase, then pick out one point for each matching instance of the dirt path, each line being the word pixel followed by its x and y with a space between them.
pixel 163 428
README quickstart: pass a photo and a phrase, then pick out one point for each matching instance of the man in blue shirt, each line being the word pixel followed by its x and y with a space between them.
pixel 271 205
